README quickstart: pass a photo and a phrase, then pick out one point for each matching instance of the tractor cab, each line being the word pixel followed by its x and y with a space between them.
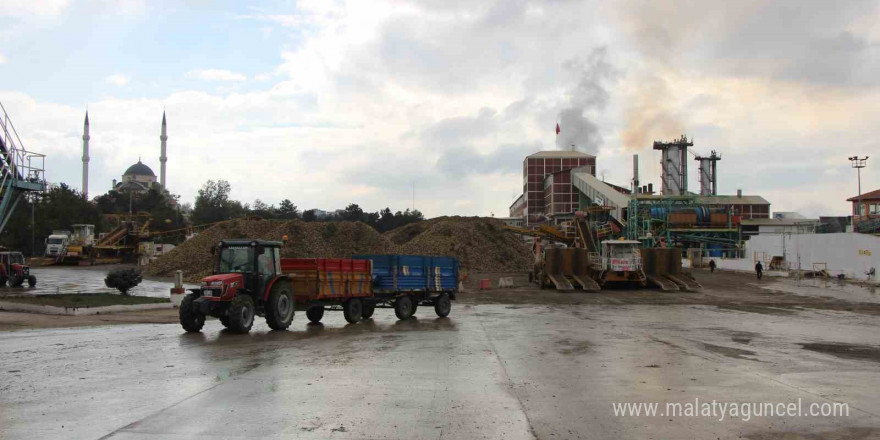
pixel 253 263
pixel 14 270
pixel 247 282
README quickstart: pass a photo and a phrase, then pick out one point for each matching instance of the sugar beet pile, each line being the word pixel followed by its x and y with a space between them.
pixel 479 243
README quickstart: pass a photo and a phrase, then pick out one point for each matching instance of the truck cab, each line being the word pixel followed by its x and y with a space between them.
pixel 56 244
pixel 246 282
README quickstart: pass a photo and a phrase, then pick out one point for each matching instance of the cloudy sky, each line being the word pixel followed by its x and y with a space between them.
pixel 328 103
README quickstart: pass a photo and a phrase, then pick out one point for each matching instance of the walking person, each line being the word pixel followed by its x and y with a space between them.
pixel 759 270
pixel 711 265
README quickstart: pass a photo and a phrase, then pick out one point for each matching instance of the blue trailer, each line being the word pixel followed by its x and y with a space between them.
pixel 406 281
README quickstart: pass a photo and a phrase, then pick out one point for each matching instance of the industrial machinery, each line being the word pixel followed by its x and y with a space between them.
pixel 620 262
pixel 251 279
pixel 14 270
pixel 21 171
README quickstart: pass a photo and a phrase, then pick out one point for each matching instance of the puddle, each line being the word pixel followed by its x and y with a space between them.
pixel 846 351
pixel 838 434
pixel 742 337
pixel 571 347
pixel 731 352
pixel 763 310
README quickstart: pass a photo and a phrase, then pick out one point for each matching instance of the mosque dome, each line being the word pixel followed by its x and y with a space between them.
pixel 139 169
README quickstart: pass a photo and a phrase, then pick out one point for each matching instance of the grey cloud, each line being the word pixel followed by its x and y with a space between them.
pixel 462 161
pixel 460 129
pixel 807 41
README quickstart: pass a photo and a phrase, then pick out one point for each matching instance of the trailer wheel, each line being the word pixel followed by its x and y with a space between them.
pixel 442 305
pixel 279 309
pixel 403 307
pixel 32 281
pixel 353 310
pixel 241 314
pixel 190 320
pixel 369 308
pixel 415 304
pixel 315 313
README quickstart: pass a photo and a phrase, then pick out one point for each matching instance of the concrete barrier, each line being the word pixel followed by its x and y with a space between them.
pixel 505 282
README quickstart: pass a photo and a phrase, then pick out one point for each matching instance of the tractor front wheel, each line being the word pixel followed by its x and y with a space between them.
pixel 190 320
pixel 241 314
pixel 32 281
pixel 279 309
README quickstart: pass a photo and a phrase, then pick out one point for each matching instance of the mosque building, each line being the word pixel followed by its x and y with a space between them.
pixel 138 178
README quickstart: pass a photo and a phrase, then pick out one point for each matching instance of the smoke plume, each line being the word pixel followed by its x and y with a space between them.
pixel 588 96
pixel 650 115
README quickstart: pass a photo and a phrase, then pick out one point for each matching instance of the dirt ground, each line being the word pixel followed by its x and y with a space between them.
pixel 19 320
pixel 726 290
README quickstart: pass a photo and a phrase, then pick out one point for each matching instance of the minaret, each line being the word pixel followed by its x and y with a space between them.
pixel 163 158
pixel 85 158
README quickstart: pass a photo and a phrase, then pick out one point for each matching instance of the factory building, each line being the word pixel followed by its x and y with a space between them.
pixel 557 184
pixel 547 185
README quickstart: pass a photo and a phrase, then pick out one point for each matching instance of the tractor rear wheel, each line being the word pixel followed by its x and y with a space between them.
pixel 32 281
pixel 2 281
pixel 315 313
pixel 353 310
pixel 403 307
pixel 241 314
pixel 15 281
pixel 442 305
pixel 369 308
pixel 190 320
pixel 279 309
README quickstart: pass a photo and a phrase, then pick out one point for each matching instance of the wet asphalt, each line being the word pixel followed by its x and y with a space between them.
pixel 488 371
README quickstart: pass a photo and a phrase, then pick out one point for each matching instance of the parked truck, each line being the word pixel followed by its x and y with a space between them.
pixel 56 243
pixel 251 279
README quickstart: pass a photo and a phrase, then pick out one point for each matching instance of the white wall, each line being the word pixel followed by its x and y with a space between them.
pixel 848 253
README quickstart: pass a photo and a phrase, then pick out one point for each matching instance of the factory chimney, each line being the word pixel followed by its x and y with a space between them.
pixel 673 172
pixel 163 158
pixel 85 158
pixel 635 183
pixel 708 174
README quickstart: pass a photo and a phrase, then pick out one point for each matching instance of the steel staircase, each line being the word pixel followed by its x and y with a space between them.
pixel 21 171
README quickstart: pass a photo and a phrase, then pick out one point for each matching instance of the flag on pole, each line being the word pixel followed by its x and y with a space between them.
pixel 557 129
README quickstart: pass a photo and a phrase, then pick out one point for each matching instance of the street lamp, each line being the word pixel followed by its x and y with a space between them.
pixel 858 163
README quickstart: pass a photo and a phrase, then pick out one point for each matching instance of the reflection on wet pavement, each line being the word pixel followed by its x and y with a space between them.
pixel 487 371
pixel 59 279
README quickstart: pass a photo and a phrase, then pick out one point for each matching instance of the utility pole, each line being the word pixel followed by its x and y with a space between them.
pixel 858 163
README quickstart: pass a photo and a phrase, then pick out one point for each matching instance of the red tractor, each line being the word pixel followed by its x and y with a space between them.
pixel 14 270
pixel 247 282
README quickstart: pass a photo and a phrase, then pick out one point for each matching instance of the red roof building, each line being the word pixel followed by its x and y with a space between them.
pixel 870 203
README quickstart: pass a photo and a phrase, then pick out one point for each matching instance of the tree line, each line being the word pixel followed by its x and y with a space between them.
pixel 60 207
pixel 213 204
